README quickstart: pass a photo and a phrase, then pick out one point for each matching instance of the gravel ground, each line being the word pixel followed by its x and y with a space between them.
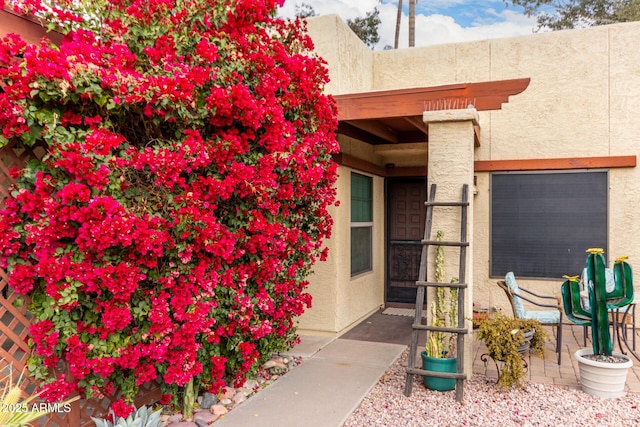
pixel 484 405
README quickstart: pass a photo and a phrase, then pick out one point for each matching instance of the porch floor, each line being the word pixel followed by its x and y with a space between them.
pixel 397 330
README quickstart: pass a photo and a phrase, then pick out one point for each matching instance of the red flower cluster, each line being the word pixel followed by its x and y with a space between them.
pixel 168 233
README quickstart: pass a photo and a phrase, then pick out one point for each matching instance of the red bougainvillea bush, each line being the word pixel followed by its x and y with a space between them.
pixel 169 233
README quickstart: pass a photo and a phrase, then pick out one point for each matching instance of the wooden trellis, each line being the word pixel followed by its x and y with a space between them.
pixel 15 320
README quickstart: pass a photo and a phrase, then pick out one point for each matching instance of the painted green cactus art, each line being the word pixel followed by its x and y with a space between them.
pixel 588 302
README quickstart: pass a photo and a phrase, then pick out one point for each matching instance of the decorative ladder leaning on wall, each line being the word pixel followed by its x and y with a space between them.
pixel 421 298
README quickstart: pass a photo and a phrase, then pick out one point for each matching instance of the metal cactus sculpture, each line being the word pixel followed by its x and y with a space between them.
pixel 595 313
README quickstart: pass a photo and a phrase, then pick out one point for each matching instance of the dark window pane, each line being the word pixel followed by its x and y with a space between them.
pixel 361 198
pixel 542 223
pixel 360 249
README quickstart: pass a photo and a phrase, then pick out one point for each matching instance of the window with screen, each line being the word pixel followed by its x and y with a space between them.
pixel 361 223
pixel 543 222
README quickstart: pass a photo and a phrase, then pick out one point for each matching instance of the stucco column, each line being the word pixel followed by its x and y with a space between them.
pixel 450 165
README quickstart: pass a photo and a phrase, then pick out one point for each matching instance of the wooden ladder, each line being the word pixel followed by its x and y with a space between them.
pixel 422 284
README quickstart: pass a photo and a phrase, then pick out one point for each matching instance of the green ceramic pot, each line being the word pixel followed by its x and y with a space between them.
pixel 439 365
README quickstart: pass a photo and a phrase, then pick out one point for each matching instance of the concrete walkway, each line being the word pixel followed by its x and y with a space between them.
pixel 329 384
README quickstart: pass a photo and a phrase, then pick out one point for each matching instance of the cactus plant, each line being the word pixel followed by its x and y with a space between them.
pixel 143 417
pixel 437 345
pixel 600 300
pixel 18 412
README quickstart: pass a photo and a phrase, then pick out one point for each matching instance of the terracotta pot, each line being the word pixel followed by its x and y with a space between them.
pixel 479 315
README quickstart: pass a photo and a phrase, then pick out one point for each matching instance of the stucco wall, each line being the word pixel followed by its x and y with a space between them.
pixel 583 101
pixel 580 103
pixel 340 301
pixel 350 61
pixel 450 167
pixel 362 294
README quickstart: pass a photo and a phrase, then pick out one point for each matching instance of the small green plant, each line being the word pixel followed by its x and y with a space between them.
pixel 18 413
pixel 143 417
pixel 505 337
pixel 442 344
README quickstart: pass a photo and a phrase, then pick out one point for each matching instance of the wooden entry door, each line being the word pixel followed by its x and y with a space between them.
pixel 406 215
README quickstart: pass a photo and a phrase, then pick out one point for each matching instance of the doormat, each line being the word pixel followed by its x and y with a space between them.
pixel 408 312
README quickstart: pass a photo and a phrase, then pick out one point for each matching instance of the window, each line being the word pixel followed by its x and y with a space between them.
pixel 361 223
pixel 542 223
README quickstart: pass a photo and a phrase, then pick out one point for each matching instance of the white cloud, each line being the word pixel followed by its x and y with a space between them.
pixel 431 28
pixel 439 29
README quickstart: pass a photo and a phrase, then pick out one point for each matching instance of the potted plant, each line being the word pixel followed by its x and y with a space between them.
pixel 507 340
pixel 603 373
pixel 479 314
pixel 439 353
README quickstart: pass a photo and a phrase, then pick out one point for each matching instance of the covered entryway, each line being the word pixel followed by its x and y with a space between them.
pixel 405 229
pixel 383 135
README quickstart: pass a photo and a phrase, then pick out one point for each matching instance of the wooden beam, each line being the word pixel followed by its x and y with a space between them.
pixel 362 165
pixel 346 129
pixel 417 122
pixel 413 102
pixel 406 172
pixel 365 166
pixel 555 164
pixel 375 128
pixel 30 28
pixel 414 136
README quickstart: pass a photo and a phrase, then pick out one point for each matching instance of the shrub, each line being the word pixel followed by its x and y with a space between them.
pixel 169 232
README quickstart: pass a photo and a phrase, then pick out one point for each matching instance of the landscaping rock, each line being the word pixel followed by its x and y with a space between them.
pixel 269 364
pixel 205 417
pixel 251 385
pixel 227 393
pixel 218 410
pixel 208 399
pixel 239 397
pixel 175 418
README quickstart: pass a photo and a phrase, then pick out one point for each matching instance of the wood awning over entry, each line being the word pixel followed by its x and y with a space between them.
pixel 30 28
pixel 395 116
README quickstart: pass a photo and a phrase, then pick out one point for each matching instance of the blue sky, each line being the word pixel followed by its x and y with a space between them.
pixel 437 21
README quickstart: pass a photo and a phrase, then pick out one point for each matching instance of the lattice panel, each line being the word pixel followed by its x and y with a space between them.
pixel 14 317
pixel 15 320
pixel 14 331
pixel 14 155
pixel 14 326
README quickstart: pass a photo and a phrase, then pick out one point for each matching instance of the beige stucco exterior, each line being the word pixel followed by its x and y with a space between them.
pixel 339 300
pixel 582 101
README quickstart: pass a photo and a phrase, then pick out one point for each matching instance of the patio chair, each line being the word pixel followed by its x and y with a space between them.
pixel 549 315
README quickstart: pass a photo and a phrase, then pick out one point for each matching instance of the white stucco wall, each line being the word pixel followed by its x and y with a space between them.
pixel 583 101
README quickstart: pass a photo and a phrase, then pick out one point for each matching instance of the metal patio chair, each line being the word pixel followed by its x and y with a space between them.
pixel 548 315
